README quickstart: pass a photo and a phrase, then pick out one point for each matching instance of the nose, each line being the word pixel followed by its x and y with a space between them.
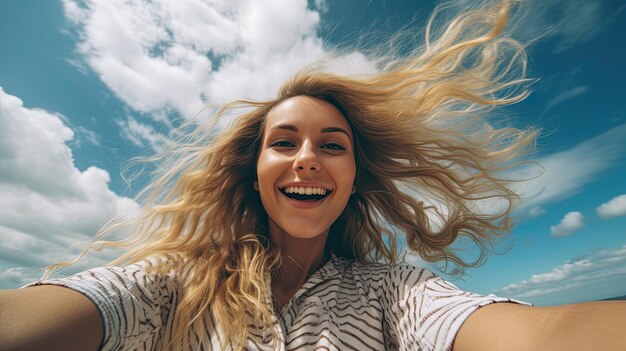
pixel 306 159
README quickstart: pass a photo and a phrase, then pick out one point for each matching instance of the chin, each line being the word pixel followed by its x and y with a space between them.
pixel 302 230
pixel 304 234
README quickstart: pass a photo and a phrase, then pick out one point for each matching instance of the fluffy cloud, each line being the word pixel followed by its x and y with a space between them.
pixel 568 225
pixel 48 204
pixel 614 208
pixel 141 134
pixel 172 55
pixel 602 266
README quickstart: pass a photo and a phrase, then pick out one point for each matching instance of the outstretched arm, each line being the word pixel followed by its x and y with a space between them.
pixel 584 326
pixel 48 318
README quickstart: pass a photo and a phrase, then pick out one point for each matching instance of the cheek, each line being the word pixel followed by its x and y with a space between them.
pixel 268 168
pixel 265 172
pixel 344 171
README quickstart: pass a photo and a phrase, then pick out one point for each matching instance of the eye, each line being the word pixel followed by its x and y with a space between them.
pixel 282 143
pixel 333 146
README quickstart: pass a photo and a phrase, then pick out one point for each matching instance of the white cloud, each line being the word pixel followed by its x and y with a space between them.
pixel 47 203
pixel 572 222
pixel 182 55
pixel 565 173
pixel 536 211
pixel 322 5
pixel 14 277
pixel 614 208
pixel 564 96
pixel 90 135
pixel 581 21
pixel 569 23
pixel 562 174
pixel 141 134
pixel 602 266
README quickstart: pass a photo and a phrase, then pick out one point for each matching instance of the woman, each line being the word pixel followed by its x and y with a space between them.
pixel 281 233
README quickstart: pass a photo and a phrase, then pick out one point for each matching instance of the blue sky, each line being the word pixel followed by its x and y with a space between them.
pixel 85 86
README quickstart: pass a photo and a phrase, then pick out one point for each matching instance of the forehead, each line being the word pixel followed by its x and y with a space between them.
pixel 306 112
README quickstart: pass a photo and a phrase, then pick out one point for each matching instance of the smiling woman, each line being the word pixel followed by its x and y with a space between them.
pixel 283 231
pixel 308 146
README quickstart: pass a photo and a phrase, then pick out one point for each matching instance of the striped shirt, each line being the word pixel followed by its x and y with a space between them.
pixel 345 305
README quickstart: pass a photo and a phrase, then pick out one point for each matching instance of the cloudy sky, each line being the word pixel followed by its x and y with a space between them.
pixel 86 85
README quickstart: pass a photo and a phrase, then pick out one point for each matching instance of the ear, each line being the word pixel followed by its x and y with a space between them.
pixel 255 185
pixel 353 190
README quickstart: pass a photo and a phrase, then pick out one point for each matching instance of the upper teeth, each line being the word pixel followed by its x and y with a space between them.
pixel 305 190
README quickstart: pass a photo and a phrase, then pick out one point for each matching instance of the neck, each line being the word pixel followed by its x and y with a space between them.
pixel 301 257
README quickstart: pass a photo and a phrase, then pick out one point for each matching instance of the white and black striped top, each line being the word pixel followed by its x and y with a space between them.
pixel 345 305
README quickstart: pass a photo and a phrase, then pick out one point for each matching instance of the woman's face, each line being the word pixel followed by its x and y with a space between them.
pixel 306 166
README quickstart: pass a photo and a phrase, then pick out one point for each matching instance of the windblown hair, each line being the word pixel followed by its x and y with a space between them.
pixel 428 159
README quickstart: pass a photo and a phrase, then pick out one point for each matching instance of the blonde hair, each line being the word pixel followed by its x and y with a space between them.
pixel 427 158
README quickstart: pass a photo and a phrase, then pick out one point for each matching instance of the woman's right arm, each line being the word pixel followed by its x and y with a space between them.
pixel 48 317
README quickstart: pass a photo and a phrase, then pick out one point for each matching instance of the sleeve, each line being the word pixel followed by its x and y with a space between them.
pixel 424 312
pixel 133 304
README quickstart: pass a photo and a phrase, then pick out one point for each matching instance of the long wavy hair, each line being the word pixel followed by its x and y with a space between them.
pixel 431 166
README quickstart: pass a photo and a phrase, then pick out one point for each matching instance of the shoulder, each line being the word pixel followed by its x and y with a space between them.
pixel 160 267
pixel 143 278
pixel 134 301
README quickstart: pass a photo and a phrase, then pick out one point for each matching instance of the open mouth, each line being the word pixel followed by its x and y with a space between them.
pixel 305 194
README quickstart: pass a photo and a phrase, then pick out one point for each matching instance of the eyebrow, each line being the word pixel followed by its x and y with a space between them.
pixel 324 130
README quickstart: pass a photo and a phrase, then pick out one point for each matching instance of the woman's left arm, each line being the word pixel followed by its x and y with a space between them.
pixel 507 326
